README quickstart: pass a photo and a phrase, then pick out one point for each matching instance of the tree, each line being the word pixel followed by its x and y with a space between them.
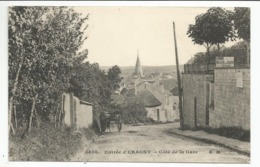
pixel 200 58
pixel 238 51
pixel 241 19
pixel 43 44
pixel 212 28
pixel 22 25
pixel 114 76
pixel 90 83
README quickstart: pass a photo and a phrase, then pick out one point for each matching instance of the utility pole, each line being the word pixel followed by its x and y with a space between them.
pixel 179 78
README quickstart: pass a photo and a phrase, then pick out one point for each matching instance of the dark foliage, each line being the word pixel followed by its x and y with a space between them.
pixel 238 51
pixel 213 27
pixel 134 111
pixel 241 19
pixel 230 132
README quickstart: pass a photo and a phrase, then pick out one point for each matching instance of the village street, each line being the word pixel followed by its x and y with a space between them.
pixel 153 143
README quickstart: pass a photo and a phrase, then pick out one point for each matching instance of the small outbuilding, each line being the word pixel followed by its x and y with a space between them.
pixel 77 113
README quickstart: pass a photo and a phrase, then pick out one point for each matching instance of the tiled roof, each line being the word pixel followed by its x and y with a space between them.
pixel 127 92
pixel 85 102
pixel 148 99
pixel 168 84
pixel 175 91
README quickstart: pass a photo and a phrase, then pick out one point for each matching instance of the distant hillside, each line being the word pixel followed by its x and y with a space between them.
pixel 126 71
pixel 146 69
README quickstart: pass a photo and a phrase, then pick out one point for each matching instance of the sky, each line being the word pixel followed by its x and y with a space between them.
pixel 116 34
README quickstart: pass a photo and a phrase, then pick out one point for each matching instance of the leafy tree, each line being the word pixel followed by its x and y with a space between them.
pixel 211 28
pixel 90 83
pixel 241 19
pixel 133 111
pixel 200 58
pixel 43 44
pixel 21 28
pixel 114 76
pixel 238 51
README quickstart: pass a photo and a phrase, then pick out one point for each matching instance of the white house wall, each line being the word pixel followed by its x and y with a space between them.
pixel 84 116
pixel 152 112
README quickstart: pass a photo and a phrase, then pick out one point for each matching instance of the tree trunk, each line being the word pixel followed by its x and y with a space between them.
pixel 248 53
pixel 12 127
pixel 36 118
pixel 59 118
pixel 55 121
pixel 15 118
pixel 31 114
pixel 208 58
pixel 61 109
pixel 218 49
pixel 11 100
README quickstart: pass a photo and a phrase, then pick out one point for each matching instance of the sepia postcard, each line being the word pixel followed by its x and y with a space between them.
pixel 129 84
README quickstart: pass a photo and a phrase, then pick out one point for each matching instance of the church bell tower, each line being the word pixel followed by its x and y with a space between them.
pixel 138 72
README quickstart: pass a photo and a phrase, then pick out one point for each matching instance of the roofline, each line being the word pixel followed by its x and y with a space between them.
pixel 85 102
pixel 152 106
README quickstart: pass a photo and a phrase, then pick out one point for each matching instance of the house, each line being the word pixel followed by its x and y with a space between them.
pixel 77 113
pixel 165 97
pixel 151 103
pixel 155 93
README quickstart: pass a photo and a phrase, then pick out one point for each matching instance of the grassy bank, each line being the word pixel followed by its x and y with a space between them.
pixel 46 144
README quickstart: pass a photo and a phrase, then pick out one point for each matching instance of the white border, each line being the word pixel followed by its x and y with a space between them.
pixel 255 70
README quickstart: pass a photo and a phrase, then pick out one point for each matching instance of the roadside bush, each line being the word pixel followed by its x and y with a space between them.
pixel 88 133
pixel 230 132
pixel 134 112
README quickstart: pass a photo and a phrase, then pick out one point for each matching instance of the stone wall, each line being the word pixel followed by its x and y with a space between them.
pixel 194 86
pixel 231 102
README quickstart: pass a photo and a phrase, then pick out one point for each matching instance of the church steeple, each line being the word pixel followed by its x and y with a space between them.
pixel 138 72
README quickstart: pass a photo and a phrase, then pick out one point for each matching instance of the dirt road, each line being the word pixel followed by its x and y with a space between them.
pixel 154 143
